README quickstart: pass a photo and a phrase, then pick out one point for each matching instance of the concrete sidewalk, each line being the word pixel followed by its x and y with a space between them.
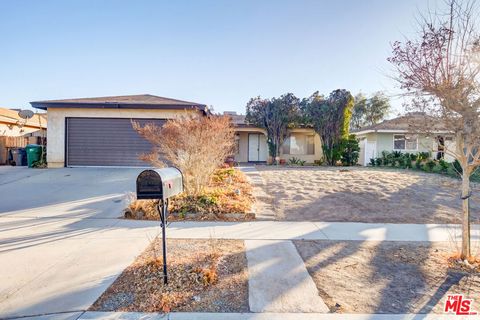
pixel 52 265
pixel 238 316
pixel 283 230
pixel 278 280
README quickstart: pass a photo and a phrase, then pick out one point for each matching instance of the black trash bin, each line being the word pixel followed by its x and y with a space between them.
pixel 19 157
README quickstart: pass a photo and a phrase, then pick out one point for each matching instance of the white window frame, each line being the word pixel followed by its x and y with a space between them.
pixel 405 138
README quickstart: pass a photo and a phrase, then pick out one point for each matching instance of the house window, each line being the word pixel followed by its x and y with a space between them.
pixel 402 142
pixel 299 144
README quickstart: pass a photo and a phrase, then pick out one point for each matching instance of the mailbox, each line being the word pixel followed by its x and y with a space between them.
pixel 159 183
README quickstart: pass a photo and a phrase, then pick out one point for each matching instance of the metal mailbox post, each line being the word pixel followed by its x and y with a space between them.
pixel 160 184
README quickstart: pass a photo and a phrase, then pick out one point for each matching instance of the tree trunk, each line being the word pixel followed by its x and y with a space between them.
pixel 465 216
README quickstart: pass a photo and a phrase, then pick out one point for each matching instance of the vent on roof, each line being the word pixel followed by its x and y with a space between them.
pixel 230 113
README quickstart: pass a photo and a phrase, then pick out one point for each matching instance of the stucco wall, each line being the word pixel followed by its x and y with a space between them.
pixel 242 155
pixel 309 158
pixel 56 125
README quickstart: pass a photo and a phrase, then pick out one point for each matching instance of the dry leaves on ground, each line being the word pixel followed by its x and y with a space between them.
pixel 203 276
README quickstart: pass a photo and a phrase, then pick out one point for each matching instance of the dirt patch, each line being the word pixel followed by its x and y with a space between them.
pixel 365 195
pixel 386 277
pixel 204 276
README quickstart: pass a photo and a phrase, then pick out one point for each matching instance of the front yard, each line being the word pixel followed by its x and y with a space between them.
pixel 387 277
pixel 365 195
pixel 204 276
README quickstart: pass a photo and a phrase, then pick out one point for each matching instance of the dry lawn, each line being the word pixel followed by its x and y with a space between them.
pixel 365 195
pixel 204 276
pixel 386 277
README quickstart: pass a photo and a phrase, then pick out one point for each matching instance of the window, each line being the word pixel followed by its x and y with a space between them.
pixel 299 144
pixel 402 142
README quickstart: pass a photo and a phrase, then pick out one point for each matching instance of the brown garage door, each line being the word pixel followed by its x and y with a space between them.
pixel 105 142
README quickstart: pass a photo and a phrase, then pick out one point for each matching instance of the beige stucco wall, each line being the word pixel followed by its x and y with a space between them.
pixel 242 155
pixel 242 152
pixel 56 125
pixel 309 158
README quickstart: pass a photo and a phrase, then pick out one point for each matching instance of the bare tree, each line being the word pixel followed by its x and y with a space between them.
pixel 197 145
pixel 439 70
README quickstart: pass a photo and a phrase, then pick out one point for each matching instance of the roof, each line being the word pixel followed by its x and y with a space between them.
pixel 238 120
pixel 141 101
pixel 11 116
pixel 404 123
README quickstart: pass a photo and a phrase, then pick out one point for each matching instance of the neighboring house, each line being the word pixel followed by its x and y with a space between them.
pixel 397 135
pixel 98 131
pixel 251 141
pixel 16 132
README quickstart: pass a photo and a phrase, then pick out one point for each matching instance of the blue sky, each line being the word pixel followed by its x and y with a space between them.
pixel 220 53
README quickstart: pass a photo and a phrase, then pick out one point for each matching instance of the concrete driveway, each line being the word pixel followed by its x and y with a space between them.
pixel 61 244
pixel 68 192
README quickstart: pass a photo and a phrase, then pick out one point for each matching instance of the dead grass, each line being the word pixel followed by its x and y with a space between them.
pixel 204 276
pixel 387 277
pixel 229 192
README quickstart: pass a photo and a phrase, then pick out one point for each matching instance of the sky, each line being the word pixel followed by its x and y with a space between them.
pixel 220 53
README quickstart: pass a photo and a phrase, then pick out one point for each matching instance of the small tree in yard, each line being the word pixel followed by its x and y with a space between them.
pixel 440 71
pixel 275 116
pixel 197 145
pixel 367 112
pixel 330 118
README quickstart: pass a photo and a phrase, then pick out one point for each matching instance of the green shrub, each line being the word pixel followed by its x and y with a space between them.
pixel 372 162
pixel 413 157
pixel 351 151
pixel 401 162
pixel 418 164
pixel 423 155
pixel 296 162
pixel 429 165
pixel 378 162
pixel 457 167
pixel 443 165
pixel 397 154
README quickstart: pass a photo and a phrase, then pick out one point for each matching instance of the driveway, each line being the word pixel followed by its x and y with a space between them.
pixel 364 195
pixel 61 244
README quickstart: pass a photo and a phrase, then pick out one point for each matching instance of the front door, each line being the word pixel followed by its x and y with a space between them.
pixel 257 147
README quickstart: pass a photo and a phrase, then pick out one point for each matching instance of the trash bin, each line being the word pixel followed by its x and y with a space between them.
pixel 21 157
pixel 34 153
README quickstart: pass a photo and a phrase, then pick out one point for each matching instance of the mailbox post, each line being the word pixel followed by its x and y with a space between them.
pixel 160 184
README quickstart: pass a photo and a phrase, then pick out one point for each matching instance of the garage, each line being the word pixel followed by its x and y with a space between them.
pixel 105 142
pixel 99 132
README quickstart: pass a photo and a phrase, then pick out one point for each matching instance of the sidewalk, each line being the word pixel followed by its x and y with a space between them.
pixel 54 265
pixel 238 316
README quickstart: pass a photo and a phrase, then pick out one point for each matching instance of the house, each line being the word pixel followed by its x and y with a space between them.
pixel 98 131
pixel 16 132
pixel 398 135
pixel 251 143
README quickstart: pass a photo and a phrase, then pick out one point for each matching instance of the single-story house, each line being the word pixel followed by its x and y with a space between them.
pixel 398 135
pixel 98 131
pixel 251 143
pixel 16 132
